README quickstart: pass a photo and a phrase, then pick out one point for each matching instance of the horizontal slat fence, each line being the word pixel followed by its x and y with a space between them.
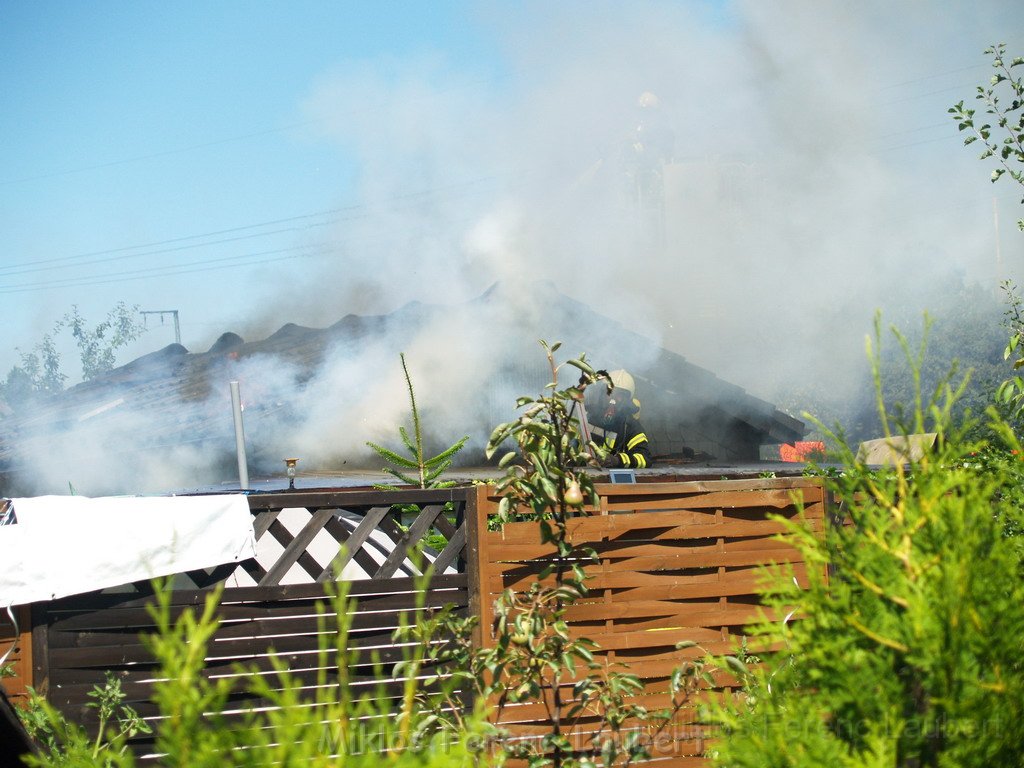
pixel 313 536
pixel 104 632
pixel 675 562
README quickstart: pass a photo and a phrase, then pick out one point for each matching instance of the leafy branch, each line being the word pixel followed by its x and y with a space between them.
pixel 537 656
pixel 66 743
pixel 1003 99
pixel 41 370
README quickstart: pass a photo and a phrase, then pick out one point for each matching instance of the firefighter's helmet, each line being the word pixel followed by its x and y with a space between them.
pixel 647 100
pixel 623 381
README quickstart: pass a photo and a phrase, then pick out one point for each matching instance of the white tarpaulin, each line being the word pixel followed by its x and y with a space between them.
pixel 67 545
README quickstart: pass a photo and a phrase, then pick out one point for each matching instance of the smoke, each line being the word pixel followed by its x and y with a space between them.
pixel 812 167
pixel 797 172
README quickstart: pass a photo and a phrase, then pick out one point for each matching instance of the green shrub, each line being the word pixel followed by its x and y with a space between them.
pixel 292 725
pixel 535 656
pixel 907 646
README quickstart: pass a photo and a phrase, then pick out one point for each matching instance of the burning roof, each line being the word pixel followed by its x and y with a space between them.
pixel 163 421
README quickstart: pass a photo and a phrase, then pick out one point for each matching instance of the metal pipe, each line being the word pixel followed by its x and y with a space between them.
pixel 243 467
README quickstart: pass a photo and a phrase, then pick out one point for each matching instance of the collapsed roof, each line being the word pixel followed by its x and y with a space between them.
pixel 163 421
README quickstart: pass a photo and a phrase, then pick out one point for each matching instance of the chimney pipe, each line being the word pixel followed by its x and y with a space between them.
pixel 243 468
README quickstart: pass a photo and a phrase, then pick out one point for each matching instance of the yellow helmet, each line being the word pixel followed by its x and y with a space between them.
pixel 622 380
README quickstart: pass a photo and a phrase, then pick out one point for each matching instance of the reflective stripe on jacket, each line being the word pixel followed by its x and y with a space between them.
pixel 627 447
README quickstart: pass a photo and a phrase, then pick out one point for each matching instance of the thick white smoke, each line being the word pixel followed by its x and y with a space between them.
pixel 813 167
pixel 811 172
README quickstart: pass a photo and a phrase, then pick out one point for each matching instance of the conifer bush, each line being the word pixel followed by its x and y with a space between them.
pixel 907 646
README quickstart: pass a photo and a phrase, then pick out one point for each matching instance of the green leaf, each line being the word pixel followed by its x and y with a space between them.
pixel 498 436
pixel 737 666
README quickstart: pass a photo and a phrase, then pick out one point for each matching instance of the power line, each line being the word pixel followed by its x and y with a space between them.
pixel 356 211
pixel 204 265
pixel 960 88
pixel 933 126
pixel 915 143
pixel 11 271
pixel 933 76
pixel 152 155
pixel 183 238
pixel 227 262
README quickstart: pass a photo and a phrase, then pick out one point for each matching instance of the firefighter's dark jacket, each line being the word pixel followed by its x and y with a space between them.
pixel 627 445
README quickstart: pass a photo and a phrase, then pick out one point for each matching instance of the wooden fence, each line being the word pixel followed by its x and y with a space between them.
pixel 16 643
pixel 676 561
pixel 302 539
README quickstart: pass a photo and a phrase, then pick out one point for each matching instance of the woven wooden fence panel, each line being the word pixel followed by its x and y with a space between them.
pixel 676 562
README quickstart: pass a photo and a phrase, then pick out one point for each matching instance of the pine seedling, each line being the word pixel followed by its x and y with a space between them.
pixel 427 471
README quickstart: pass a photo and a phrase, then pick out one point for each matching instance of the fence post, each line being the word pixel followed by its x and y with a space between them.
pixel 477 505
pixel 16 650
pixel 40 649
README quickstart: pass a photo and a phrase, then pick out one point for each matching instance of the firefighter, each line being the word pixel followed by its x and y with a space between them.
pixel 613 412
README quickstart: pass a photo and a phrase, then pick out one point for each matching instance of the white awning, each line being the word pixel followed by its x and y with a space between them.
pixel 67 545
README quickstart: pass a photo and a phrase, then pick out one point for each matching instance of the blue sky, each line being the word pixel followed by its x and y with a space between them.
pixel 126 124
pixel 251 164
